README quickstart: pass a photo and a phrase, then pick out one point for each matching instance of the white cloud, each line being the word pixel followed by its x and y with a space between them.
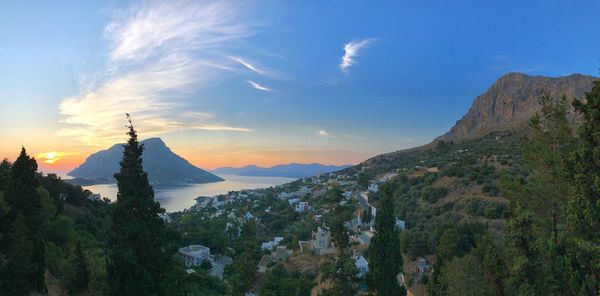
pixel 326 134
pixel 160 52
pixel 351 51
pixel 258 86
pixel 248 65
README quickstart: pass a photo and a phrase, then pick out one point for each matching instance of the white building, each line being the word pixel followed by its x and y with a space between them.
pixel 304 190
pixel 302 206
pixel 165 217
pixel 321 240
pixel 373 187
pixel 284 195
pixel 193 255
pixel 400 224
pixel 269 246
pixel 362 265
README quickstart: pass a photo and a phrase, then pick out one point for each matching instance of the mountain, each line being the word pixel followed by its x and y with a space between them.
pixel 292 170
pixel 511 101
pixel 506 106
pixel 163 166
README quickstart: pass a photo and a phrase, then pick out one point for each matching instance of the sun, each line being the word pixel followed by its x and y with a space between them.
pixel 51 157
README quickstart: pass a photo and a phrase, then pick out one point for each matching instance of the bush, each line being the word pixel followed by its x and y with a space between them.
pixel 484 208
pixel 433 194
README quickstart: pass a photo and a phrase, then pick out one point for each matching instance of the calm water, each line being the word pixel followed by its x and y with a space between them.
pixel 177 198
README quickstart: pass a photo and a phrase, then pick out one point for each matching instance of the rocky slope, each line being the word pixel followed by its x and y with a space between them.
pixel 511 101
pixel 163 166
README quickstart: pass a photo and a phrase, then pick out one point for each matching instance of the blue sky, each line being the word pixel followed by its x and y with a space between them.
pixel 231 83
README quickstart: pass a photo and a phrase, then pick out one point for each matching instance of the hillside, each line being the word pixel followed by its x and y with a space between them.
pixel 292 170
pixel 472 156
pixel 163 166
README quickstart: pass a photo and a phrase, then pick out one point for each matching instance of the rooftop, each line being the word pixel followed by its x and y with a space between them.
pixel 194 250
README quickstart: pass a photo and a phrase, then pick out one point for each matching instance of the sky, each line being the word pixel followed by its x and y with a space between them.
pixel 230 83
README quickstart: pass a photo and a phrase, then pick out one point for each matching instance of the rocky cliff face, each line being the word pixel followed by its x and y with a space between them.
pixel 510 102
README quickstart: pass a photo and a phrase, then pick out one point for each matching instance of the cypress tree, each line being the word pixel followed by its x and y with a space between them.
pixel 385 259
pixel 138 252
pixel 583 209
pixel 23 225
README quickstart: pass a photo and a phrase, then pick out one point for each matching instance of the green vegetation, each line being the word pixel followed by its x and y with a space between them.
pixel 245 261
pixel 22 243
pixel 280 282
pixel 139 247
pixel 342 271
pixel 551 238
pixel 385 260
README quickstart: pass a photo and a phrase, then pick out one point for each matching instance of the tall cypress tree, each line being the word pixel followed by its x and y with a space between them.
pixel 23 225
pixel 385 259
pixel 138 248
pixel 583 209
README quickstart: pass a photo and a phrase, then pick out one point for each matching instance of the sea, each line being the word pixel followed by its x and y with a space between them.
pixel 180 197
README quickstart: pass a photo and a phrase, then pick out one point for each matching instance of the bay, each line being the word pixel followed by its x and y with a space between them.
pixel 180 197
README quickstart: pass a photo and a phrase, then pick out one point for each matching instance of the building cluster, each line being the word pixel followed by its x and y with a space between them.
pixel 304 196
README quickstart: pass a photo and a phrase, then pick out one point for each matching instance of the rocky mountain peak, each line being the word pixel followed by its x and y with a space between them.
pixel 511 101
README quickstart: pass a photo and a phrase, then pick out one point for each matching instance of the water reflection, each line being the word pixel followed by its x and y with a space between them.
pixel 177 198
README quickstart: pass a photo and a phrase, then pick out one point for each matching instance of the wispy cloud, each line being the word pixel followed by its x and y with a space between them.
pixel 248 65
pixel 323 133
pixel 160 51
pixel 258 86
pixel 327 134
pixel 351 51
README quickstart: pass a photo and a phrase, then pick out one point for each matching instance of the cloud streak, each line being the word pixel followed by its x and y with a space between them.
pixel 248 65
pixel 258 86
pixel 326 134
pixel 351 51
pixel 160 52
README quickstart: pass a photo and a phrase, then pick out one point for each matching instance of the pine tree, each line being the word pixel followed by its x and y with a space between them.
pixel 139 252
pixel 385 259
pixel 524 269
pixel 5 166
pixel 583 210
pixel 545 152
pixel 24 204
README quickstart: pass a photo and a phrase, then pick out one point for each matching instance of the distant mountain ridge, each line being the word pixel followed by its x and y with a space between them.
pixel 163 166
pixel 292 170
pixel 512 100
